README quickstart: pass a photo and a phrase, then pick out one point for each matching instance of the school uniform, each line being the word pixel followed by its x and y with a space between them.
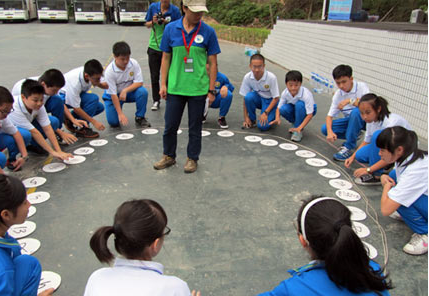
pixel 134 278
pixel 118 80
pixel 411 191
pixel 349 127
pixel 311 280
pixel 75 93
pixel 370 153
pixel 53 104
pixel 38 119
pixel 222 103
pixel 258 94
pixel 19 274
pixel 296 108
pixel 188 82
pixel 7 130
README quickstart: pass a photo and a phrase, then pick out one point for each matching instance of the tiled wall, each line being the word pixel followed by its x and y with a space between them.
pixel 393 64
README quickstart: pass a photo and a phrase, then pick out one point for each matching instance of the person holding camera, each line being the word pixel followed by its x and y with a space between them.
pixel 158 16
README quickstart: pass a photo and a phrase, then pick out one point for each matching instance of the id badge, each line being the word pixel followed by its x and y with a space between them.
pixel 189 65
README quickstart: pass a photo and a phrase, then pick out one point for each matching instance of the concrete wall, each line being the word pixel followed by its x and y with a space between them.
pixel 393 64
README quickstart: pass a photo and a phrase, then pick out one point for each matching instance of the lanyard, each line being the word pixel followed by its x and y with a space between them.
pixel 151 269
pixel 190 43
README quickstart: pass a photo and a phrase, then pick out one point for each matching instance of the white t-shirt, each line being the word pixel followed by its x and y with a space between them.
pixel 392 120
pixel 7 127
pixel 16 90
pixel 20 116
pixel 358 90
pixel 267 87
pixel 303 95
pixel 134 278
pixel 118 79
pixel 412 182
pixel 75 84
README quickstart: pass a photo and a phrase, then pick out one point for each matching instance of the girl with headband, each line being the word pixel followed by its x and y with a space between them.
pixel 340 263
pixel 139 227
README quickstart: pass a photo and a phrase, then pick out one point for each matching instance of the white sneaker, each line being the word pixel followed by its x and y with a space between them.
pixel 155 106
pixel 395 215
pixel 296 136
pixel 418 244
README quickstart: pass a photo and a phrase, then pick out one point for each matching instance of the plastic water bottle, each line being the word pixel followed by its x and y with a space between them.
pixel 313 79
pixel 318 87
pixel 331 87
pixel 325 85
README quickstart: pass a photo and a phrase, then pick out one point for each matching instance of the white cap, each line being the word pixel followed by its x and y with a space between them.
pixel 196 5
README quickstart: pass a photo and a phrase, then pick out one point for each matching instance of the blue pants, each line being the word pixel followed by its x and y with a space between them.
pixel 138 96
pixel 253 101
pixel 416 215
pixel 295 113
pixel 347 128
pixel 223 103
pixel 55 106
pixel 370 153
pixel 54 123
pixel 89 103
pixel 173 116
pixel 27 275
pixel 7 141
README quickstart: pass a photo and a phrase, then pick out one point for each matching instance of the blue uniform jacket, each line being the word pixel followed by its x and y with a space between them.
pixel 222 80
pixel 9 249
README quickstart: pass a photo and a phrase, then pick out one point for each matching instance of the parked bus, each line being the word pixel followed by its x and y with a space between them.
pixel 11 10
pixel 131 11
pixel 89 11
pixel 52 10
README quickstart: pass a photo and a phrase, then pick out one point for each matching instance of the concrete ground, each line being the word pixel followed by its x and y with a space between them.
pixel 231 221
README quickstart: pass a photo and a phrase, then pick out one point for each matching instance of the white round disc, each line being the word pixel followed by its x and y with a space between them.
pixel 31 211
pixel 360 229
pixel 149 131
pixel 316 162
pixel 38 197
pixel 348 195
pixel 22 230
pixel 98 143
pixel 84 151
pixel 357 214
pixel 29 245
pixel 34 182
pixel 305 153
pixel 49 280
pixel 372 252
pixel 124 136
pixel 205 133
pixel 289 147
pixel 330 174
pixel 75 160
pixel 179 131
pixel 225 134
pixel 253 139
pixel 340 184
pixel 269 142
pixel 54 167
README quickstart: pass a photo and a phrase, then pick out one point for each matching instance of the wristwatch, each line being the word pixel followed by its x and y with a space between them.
pixel 212 91
pixel 368 170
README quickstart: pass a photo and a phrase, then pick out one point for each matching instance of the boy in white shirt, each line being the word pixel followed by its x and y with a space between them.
pixel 261 91
pixel 29 113
pixel 345 100
pixel 296 105
pixel 85 105
pixel 125 81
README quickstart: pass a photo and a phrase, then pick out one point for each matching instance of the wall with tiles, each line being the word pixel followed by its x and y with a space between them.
pixel 393 64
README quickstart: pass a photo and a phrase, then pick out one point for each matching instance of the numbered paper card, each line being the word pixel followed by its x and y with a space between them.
pixel 98 143
pixel 84 151
pixel 22 230
pixel 31 211
pixel 372 252
pixel 269 142
pixel 179 131
pixel 316 162
pixel 253 139
pixel 49 280
pixel 348 195
pixel 54 167
pixel 75 159
pixel 38 197
pixel 149 131
pixel 205 133
pixel 360 229
pixel 34 182
pixel 357 214
pixel 225 134
pixel 305 153
pixel 124 136
pixel 289 147
pixel 340 184
pixel 330 174
pixel 29 245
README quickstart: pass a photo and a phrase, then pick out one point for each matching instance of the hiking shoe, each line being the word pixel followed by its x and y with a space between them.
pixel 142 122
pixel 395 215
pixel 155 106
pixel 37 149
pixel 296 137
pixel 204 118
pixel 251 126
pixel 10 166
pixel 86 132
pixel 222 122
pixel 367 180
pixel 69 125
pixel 190 166
pixel 165 162
pixel 418 245
pixel 343 154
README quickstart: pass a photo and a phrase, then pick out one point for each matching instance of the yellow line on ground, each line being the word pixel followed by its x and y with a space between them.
pixel 31 190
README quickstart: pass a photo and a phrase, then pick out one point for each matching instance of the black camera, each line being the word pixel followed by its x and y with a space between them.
pixel 160 18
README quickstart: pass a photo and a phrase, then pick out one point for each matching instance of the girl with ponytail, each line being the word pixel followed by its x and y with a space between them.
pixel 139 229
pixel 340 263
pixel 405 189
pixel 376 114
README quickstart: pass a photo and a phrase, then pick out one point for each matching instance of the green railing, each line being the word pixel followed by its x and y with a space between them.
pixel 250 36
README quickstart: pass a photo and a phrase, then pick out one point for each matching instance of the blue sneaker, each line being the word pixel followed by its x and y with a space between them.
pixel 343 154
